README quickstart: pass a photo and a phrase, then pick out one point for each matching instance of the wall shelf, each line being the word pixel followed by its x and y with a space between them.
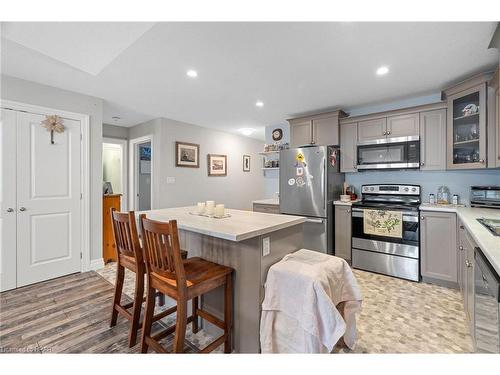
pixel 270 168
pixel 269 152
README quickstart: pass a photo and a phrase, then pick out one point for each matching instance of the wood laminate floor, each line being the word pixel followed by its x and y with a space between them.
pixel 71 315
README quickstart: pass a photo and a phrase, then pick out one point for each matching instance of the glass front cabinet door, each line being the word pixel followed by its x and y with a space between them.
pixel 467 128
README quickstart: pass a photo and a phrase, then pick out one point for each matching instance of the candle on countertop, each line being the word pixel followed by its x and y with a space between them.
pixel 210 207
pixel 219 210
pixel 201 207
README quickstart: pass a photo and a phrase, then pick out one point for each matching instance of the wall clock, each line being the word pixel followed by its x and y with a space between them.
pixel 277 134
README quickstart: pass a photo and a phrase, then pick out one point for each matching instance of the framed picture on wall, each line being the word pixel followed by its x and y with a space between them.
pixel 217 165
pixel 246 163
pixel 187 155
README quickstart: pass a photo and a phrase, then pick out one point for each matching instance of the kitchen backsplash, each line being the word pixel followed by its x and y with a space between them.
pixel 459 182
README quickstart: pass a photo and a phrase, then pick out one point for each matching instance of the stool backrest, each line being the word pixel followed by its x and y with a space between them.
pixel 162 252
pixel 125 234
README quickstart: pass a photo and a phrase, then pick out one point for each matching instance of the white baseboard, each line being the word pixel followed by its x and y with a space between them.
pixel 96 264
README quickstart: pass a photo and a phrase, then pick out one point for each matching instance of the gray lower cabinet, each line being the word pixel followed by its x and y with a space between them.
pixel 466 264
pixel 403 125
pixel 266 208
pixel 438 249
pixel 433 140
pixel 348 137
pixel 343 232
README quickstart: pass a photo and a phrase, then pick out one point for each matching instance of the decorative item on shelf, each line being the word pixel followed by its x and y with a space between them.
pixel 246 163
pixel 455 199
pixel 53 124
pixel 211 210
pixel 210 207
pixel 277 134
pixel 200 208
pixel 217 165
pixel 187 155
pixel 276 146
pixel 470 109
pixel 107 188
pixel 443 195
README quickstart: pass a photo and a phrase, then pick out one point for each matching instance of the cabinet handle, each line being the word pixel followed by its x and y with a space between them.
pixel 348 211
pixel 422 163
pixel 481 161
pixel 385 133
pixel 461 227
pixel 22 209
pixel 461 247
pixel 468 264
pixel 422 218
pixel 389 132
pixel 10 209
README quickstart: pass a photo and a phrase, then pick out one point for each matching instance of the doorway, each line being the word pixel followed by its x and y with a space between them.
pixel 141 167
pixel 114 167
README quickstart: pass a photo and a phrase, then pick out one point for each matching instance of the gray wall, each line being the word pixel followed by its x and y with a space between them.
pixel 237 190
pixel 459 182
pixel 113 131
pixel 33 93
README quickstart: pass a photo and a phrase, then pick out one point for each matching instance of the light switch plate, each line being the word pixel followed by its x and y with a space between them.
pixel 266 246
pixel 170 180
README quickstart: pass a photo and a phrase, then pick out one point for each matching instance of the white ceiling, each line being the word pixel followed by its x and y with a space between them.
pixel 293 68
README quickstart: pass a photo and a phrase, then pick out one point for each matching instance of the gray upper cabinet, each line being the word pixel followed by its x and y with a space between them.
pixel 343 232
pixel 369 130
pixel 320 129
pixel 438 246
pixel 403 125
pixel 300 133
pixel 433 140
pixel 348 141
pixel 467 124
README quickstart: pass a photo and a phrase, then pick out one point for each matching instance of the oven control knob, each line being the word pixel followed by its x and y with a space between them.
pixel 413 189
pixel 406 189
pixel 371 189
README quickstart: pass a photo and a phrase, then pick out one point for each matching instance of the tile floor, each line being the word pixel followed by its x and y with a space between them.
pixel 397 316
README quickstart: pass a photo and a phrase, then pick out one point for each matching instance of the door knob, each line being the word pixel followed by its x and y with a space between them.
pixel 22 209
pixel 10 209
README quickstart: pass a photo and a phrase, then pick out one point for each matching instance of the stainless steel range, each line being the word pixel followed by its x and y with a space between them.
pixel 393 248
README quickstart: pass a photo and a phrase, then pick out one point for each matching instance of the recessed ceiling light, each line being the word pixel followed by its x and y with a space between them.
pixel 259 103
pixel 247 131
pixel 192 73
pixel 382 70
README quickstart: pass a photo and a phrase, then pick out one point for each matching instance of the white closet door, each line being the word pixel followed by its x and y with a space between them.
pixel 48 200
pixel 7 200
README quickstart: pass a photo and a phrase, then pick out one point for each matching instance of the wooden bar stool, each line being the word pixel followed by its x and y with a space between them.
pixel 182 281
pixel 130 256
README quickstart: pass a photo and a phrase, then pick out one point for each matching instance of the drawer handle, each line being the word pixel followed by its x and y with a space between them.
pixel 461 247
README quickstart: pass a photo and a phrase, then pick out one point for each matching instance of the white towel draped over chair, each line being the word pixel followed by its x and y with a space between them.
pixel 303 295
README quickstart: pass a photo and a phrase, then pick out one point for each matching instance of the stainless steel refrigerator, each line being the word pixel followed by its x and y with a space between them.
pixel 310 180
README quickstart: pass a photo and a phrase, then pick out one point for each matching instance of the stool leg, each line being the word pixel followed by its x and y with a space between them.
pixel 180 326
pixel 148 318
pixel 120 274
pixel 194 307
pixel 228 312
pixel 161 299
pixel 136 312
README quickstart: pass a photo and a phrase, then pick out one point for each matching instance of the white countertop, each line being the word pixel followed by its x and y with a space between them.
pixel 340 203
pixel 489 244
pixel 271 201
pixel 240 226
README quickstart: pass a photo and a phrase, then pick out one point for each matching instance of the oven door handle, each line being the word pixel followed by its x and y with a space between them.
pixel 407 216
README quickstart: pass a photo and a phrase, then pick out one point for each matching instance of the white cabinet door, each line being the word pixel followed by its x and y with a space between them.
pixel 7 200
pixel 48 200
pixel 433 140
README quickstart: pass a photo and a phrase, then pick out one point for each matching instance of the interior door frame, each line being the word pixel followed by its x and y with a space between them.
pixel 85 263
pixel 134 168
pixel 125 181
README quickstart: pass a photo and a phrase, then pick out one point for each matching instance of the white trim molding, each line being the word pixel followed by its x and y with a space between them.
pixel 96 264
pixel 85 166
pixel 124 168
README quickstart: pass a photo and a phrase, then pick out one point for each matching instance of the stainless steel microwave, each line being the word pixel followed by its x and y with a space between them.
pixel 389 153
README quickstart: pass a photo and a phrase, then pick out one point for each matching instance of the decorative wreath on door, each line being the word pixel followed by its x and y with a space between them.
pixel 53 124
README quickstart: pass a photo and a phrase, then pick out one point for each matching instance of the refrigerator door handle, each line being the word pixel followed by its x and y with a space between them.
pixel 324 184
pixel 315 221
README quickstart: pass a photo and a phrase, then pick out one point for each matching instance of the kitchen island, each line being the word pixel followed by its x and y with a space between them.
pixel 238 241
